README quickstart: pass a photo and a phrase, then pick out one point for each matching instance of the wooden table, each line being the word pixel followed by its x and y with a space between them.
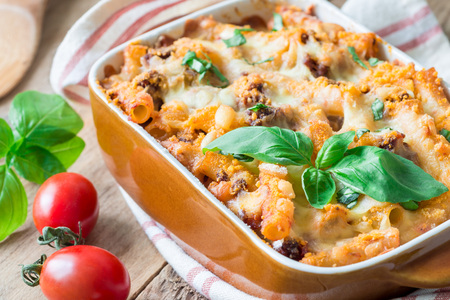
pixel 116 230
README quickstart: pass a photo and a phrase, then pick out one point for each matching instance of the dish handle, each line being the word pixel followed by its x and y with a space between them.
pixel 429 270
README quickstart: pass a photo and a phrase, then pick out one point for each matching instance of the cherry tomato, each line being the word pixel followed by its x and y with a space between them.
pixel 84 272
pixel 64 200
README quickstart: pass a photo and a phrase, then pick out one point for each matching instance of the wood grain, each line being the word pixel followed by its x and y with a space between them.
pixel 20 31
pixel 116 231
pixel 167 286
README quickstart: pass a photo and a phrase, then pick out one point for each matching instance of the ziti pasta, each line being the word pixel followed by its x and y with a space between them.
pixel 330 154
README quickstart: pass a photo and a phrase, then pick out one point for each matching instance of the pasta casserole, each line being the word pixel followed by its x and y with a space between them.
pixel 331 154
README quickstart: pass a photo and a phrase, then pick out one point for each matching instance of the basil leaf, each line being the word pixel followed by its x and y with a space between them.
pixel 44 120
pixel 319 187
pixel 13 202
pixel 445 133
pixel 385 176
pixel 373 61
pixel 68 152
pixel 219 75
pixel 259 62
pixel 384 128
pixel 6 138
pixel 410 205
pixel 268 144
pixel 34 163
pixel 188 57
pixel 347 196
pixel 242 157
pixel 238 38
pixel 377 109
pixel 277 22
pixel 258 106
pixel 202 66
pixel 360 132
pixel 334 149
pixel 197 66
pixel 356 57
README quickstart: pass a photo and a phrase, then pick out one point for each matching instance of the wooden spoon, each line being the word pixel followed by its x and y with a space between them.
pixel 20 31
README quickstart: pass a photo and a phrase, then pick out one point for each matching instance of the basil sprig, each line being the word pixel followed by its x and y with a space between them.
pixel 356 57
pixel 369 170
pixel 44 144
pixel 202 66
pixel 238 38
pixel 277 22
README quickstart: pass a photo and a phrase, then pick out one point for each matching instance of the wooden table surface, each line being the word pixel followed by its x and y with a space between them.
pixel 116 230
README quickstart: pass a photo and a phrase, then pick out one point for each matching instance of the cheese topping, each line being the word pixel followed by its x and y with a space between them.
pixel 308 82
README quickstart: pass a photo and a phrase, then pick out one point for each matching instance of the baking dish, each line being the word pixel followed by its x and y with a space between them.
pixel 206 228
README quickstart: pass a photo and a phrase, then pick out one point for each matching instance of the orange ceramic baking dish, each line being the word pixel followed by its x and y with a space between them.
pixel 171 195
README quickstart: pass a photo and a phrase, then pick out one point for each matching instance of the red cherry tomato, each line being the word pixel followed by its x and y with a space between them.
pixel 84 272
pixel 64 200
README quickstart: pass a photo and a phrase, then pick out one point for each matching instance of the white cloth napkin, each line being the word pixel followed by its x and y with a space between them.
pixel 407 24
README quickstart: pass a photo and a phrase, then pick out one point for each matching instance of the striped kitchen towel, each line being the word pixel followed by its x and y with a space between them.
pixel 410 25
pixel 407 24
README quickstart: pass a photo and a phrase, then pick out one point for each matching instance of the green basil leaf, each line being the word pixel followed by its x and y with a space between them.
pixel 258 106
pixel 242 157
pixel 347 196
pixel 268 144
pixel 13 202
pixel 445 133
pixel 385 176
pixel 356 57
pixel 410 205
pixel 373 61
pixel 259 62
pixel 377 109
pixel 245 29
pixel 334 149
pixel 6 138
pixel 68 152
pixel 277 22
pixel 319 187
pixel 34 163
pixel 190 55
pixel 219 75
pixel 202 66
pixel 197 66
pixel 44 120
pixel 384 128
pixel 238 38
pixel 360 132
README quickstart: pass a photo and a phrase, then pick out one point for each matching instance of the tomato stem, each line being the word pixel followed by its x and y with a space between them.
pixel 60 236
pixel 31 273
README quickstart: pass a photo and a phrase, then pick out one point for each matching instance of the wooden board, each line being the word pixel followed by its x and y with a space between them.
pixel 116 231
pixel 20 31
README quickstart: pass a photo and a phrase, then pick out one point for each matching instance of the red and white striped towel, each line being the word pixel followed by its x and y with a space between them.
pixel 410 25
pixel 407 24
